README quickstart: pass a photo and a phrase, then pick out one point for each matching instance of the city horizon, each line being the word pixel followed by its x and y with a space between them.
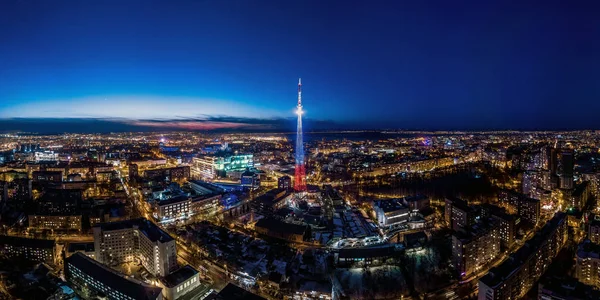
pixel 299 150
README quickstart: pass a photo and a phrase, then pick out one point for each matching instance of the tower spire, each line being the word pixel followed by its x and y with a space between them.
pixel 300 172
pixel 299 92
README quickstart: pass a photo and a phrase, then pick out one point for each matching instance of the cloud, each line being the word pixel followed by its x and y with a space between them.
pixel 204 123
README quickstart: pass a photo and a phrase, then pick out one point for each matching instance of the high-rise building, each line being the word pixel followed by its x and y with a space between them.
pixel 119 242
pixel 284 182
pixel 517 274
pixel 588 263
pixel 565 168
pixel 507 223
pixel 459 214
pixel 594 229
pixel 300 172
pixel 133 171
pixel 475 247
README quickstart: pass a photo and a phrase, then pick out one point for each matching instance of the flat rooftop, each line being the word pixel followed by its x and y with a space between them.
pixel 179 276
pixel 149 229
pixel 516 260
pixel 26 242
pixel 234 292
pixel 132 288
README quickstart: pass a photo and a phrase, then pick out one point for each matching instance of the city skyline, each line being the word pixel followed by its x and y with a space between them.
pixel 232 66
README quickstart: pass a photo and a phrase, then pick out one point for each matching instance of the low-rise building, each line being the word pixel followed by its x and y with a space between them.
pixel 391 212
pixel 180 282
pixel 86 248
pixel 30 249
pixel 174 208
pixel 278 229
pixel 347 257
pixel 55 222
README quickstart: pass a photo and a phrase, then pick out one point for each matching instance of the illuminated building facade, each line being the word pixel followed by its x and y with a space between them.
pixel 174 208
pixel 29 249
pixel 119 242
pixel 96 281
pixel 212 167
pixel 516 275
pixel 180 282
pixel 474 248
pixel 300 171
pixel 55 222
pixel 588 263
pixel 391 212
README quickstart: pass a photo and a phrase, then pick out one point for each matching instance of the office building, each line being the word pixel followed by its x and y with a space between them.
pixel 174 208
pixel 119 242
pixel 391 212
pixel 93 280
pixel 46 156
pixel 212 167
pixel 516 275
pixel 588 263
pixel 30 249
pixel 180 282
pixel 250 180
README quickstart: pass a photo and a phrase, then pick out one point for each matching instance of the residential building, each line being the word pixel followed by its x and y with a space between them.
pixel 513 278
pixel 475 247
pixel 30 249
pixel 459 214
pixel 55 222
pixel 588 263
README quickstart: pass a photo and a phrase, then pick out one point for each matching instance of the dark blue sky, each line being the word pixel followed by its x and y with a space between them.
pixel 372 64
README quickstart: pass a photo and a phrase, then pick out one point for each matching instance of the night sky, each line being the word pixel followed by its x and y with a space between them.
pixel 228 64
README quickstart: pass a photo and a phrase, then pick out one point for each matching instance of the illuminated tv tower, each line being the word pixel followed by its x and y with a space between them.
pixel 300 173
